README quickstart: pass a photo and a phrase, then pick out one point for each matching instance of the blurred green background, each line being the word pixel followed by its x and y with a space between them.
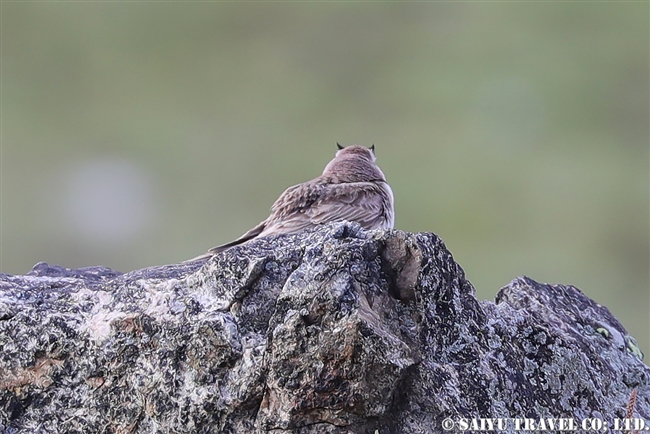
pixel 136 134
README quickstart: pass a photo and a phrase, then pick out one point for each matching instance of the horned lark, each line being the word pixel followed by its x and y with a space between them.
pixel 352 188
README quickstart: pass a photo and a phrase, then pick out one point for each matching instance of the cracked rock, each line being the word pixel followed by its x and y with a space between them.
pixel 334 330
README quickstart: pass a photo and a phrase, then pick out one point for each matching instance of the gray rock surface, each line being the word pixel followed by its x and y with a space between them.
pixel 336 330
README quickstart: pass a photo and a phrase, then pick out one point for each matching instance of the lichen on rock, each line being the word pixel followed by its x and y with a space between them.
pixel 333 330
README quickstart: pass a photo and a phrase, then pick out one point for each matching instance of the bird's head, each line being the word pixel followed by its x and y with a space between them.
pixel 354 164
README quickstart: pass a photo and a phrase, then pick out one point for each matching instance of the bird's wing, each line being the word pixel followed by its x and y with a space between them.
pixel 363 202
pixel 313 203
pixel 310 204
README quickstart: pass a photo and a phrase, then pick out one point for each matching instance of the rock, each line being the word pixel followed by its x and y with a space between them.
pixel 335 330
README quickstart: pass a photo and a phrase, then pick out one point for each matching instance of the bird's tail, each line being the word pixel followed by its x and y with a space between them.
pixel 253 233
pixel 238 241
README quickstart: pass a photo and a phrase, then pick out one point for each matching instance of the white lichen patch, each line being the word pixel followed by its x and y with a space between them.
pixel 161 300
pixel 104 311
pixel 98 325
pixel 157 305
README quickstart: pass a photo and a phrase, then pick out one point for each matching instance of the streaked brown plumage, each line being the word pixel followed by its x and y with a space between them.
pixel 352 188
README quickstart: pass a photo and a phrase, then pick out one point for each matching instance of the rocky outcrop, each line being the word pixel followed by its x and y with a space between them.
pixel 335 330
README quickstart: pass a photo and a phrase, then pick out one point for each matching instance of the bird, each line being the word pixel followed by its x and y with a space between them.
pixel 351 188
